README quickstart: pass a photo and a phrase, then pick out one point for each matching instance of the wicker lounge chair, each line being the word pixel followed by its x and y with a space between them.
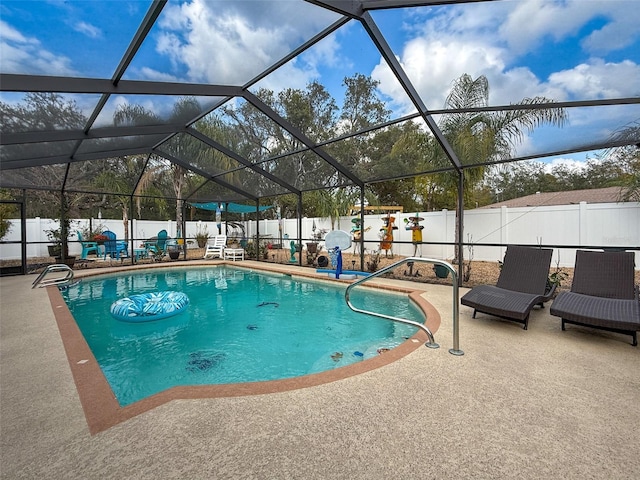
pixel 603 294
pixel 521 286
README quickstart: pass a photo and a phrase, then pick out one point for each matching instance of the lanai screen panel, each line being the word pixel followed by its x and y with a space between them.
pixel 555 49
pixel 73 39
pixel 119 145
pixel 225 42
pixel 250 133
pixel 247 180
pixel 341 97
pixel 144 110
pixel 22 154
pixel 211 191
pixel 579 132
pixel 492 54
pixel 398 150
pixel 199 154
pixel 45 111
pixel 117 175
pixel 47 177
pixel 306 170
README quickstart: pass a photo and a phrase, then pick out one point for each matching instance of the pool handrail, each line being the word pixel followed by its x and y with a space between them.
pixel 60 281
pixel 456 300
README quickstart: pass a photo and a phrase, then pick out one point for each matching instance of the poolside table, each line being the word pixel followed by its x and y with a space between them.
pixel 234 254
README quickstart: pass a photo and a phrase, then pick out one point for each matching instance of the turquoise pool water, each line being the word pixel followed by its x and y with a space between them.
pixel 240 326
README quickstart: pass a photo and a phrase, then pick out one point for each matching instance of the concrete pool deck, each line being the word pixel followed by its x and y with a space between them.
pixel 540 403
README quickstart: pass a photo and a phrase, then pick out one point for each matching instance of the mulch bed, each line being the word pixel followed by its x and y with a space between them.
pixel 481 272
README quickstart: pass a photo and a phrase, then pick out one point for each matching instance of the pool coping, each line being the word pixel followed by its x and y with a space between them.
pixel 101 408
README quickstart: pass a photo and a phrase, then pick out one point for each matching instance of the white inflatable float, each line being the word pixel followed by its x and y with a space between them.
pixel 146 307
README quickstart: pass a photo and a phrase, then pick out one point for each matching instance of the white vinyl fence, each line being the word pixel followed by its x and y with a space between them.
pixel 566 227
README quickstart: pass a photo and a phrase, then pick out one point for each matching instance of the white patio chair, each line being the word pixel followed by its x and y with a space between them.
pixel 215 247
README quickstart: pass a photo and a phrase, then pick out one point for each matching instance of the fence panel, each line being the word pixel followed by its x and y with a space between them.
pixel 602 224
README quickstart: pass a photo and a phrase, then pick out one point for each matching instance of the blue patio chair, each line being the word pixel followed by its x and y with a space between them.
pixel 157 247
pixel 113 247
pixel 87 247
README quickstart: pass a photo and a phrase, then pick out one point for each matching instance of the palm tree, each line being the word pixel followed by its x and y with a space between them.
pixel 480 137
pixel 631 155
pixel 335 203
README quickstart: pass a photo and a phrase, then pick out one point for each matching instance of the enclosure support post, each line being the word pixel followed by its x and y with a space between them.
pixel 300 227
pixel 257 242
pixel 362 228
pixel 459 247
pixel 131 239
pixel 23 233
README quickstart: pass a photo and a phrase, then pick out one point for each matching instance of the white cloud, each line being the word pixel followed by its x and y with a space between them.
pixel 156 76
pixel 570 163
pixel 230 43
pixel 25 55
pixel 287 76
pixel 599 79
pixel 22 54
pixel 87 29
pixel 532 21
pixel 493 40
pixel 432 65
pixel 10 34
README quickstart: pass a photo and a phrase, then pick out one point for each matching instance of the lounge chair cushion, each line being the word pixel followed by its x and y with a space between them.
pixel 610 313
pixel 501 302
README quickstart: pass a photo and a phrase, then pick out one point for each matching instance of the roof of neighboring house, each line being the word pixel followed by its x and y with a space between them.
pixel 595 195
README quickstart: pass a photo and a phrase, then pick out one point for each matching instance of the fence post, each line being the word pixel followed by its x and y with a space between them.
pixel 445 217
pixel 582 224
pixel 504 227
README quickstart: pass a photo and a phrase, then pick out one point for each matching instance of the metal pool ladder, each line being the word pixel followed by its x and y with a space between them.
pixel 456 313
pixel 60 281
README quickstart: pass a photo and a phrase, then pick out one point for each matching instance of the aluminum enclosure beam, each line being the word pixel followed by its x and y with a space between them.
pixel 10 82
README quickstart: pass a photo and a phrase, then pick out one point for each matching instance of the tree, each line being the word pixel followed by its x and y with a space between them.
pixel 43 112
pixel 479 137
pixel 629 155
pixel 7 211
pixel 118 176
pixel 362 108
pixel 333 203
pixel 179 146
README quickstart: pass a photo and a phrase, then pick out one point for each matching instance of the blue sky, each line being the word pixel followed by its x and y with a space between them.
pixel 559 49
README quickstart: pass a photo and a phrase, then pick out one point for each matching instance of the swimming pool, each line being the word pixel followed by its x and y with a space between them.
pixel 240 326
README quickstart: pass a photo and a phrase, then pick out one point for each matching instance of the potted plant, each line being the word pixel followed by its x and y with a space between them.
pixel 202 236
pixel 174 251
pixel 441 271
pixel 312 247
pixel 374 260
pixel 100 238
pixel 554 281
pixel 59 238
pixel 55 249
